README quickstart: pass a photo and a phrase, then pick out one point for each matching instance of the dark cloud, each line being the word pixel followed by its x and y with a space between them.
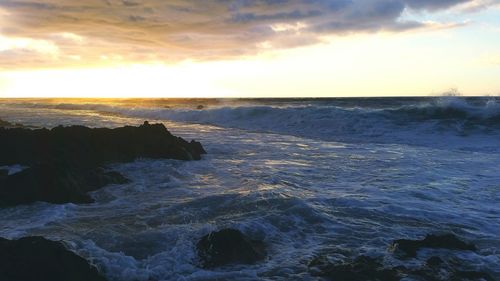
pixel 148 30
pixel 432 4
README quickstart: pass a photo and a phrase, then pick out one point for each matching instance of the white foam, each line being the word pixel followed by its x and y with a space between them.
pixel 13 169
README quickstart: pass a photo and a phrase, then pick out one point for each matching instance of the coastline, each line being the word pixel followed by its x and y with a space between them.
pixel 320 208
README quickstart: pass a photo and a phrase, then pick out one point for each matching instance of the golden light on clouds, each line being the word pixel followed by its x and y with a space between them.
pixel 275 48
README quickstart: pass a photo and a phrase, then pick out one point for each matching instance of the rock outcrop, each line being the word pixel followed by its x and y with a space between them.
pixel 67 162
pixel 229 246
pixel 36 258
pixel 364 268
pixel 83 146
pixel 4 173
pixel 54 184
pixel 6 124
pixel 446 241
pixel 360 269
pixel 435 268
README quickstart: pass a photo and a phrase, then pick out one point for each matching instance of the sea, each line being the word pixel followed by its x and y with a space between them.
pixel 342 177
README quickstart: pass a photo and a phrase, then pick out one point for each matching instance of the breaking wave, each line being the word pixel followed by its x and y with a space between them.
pixel 381 120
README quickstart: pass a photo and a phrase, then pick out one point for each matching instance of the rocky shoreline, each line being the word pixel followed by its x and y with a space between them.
pixel 61 165
pixel 64 163
pixel 36 258
pixel 50 260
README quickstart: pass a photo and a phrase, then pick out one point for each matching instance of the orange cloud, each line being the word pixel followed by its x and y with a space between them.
pixel 97 32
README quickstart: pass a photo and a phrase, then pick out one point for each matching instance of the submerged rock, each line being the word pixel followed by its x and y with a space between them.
pixel 3 173
pixel 447 241
pixel 363 268
pixel 435 268
pixel 471 275
pixel 36 258
pixel 229 246
pixel 6 124
pixel 66 162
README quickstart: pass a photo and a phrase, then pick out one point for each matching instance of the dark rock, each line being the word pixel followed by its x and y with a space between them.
pixel 434 261
pixel 471 275
pixel 84 147
pixel 3 173
pixel 436 269
pixel 446 241
pixel 197 147
pixel 36 258
pixel 200 107
pixel 65 162
pixel 229 246
pixel 6 124
pixel 363 268
pixel 54 184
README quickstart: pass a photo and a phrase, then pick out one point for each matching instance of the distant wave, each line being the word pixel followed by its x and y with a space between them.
pixel 408 121
pixel 452 108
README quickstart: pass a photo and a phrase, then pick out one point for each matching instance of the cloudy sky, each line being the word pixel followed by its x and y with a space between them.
pixel 188 48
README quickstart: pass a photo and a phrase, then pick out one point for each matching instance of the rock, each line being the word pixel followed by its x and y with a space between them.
pixel 54 184
pixel 229 246
pixel 447 241
pixel 3 173
pixel 471 275
pixel 434 261
pixel 83 146
pixel 66 162
pixel 362 268
pixel 6 124
pixel 438 269
pixel 200 107
pixel 365 268
pixel 197 147
pixel 36 258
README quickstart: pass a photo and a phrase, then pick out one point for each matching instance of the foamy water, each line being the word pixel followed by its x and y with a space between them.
pixel 306 176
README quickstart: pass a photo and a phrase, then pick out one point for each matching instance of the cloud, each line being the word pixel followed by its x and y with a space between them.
pixel 158 30
pixel 477 5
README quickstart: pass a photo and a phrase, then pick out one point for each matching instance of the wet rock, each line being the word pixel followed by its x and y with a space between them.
pixel 36 258
pixel 362 268
pixel 6 124
pixel 447 241
pixel 472 276
pixel 3 173
pixel 66 162
pixel 84 147
pixel 365 268
pixel 229 246
pixel 438 269
pixel 197 147
pixel 54 184
pixel 434 261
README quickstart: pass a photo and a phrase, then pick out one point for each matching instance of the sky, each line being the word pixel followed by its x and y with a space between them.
pixel 248 48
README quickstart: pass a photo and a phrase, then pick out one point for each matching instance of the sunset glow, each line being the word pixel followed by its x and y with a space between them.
pixel 417 50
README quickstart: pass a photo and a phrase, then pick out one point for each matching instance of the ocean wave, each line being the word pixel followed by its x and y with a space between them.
pixel 451 116
pixel 453 108
pixel 398 120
